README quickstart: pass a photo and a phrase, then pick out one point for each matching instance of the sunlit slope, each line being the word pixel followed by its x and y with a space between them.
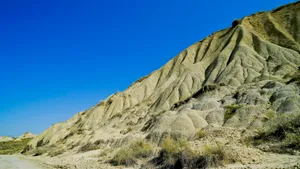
pixel 250 65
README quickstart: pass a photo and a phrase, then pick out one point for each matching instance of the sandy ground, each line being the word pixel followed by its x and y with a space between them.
pixel 91 160
pixel 16 162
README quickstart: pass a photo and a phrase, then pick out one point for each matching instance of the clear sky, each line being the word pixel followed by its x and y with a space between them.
pixel 59 57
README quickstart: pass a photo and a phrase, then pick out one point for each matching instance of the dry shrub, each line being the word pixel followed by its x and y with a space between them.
pixel 215 154
pixel 127 156
pixel 284 130
pixel 123 157
pixel 177 154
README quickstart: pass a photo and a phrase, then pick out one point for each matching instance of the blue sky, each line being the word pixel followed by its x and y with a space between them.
pixel 60 57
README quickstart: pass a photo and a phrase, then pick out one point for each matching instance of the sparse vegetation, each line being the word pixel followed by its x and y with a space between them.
pixel 294 77
pixel 129 129
pixel 283 130
pixel 127 156
pixel 271 114
pixel 200 134
pixel 88 147
pixel 99 142
pixel 174 146
pixel 123 157
pixel 231 110
pixel 210 87
pixel 118 115
pixel 13 147
pixel 56 152
pixel 178 154
pixel 105 152
pixel 174 154
pixel 36 152
pixel 215 154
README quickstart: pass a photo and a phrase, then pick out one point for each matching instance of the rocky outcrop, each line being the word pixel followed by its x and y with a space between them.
pixel 5 138
pixel 24 136
pixel 232 78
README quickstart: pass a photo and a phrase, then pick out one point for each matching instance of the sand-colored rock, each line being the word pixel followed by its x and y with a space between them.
pixel 250 64
pixel 6 138
pixel 26 135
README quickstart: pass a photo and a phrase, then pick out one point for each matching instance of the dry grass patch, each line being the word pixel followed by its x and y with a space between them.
pixel 177 154
pixel 215 155
pixel 127 156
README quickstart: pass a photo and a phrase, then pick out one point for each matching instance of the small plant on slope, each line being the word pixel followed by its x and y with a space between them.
pixel 231 110
pixel 127 156
pixel 200 134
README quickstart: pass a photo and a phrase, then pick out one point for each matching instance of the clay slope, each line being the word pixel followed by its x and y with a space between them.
pixel 26 135
pixel 251 64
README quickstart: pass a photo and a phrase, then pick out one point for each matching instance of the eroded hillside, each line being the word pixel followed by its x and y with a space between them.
pixel 238 78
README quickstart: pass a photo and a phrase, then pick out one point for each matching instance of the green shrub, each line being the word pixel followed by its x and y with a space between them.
pixel 200 134
pixel 127 156
pixel 271 114
pixel 231 110
pixel 12 147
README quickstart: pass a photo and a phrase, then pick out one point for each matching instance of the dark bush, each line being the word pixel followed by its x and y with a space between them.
pixel 236 22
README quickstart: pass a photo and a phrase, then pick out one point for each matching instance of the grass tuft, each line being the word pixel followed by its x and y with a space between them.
pixel 271 114
pixel 178 154
pixel 127 156
pixel 215 154
pixel 200 134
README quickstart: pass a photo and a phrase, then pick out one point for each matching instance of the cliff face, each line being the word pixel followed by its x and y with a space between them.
pixel 250 67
